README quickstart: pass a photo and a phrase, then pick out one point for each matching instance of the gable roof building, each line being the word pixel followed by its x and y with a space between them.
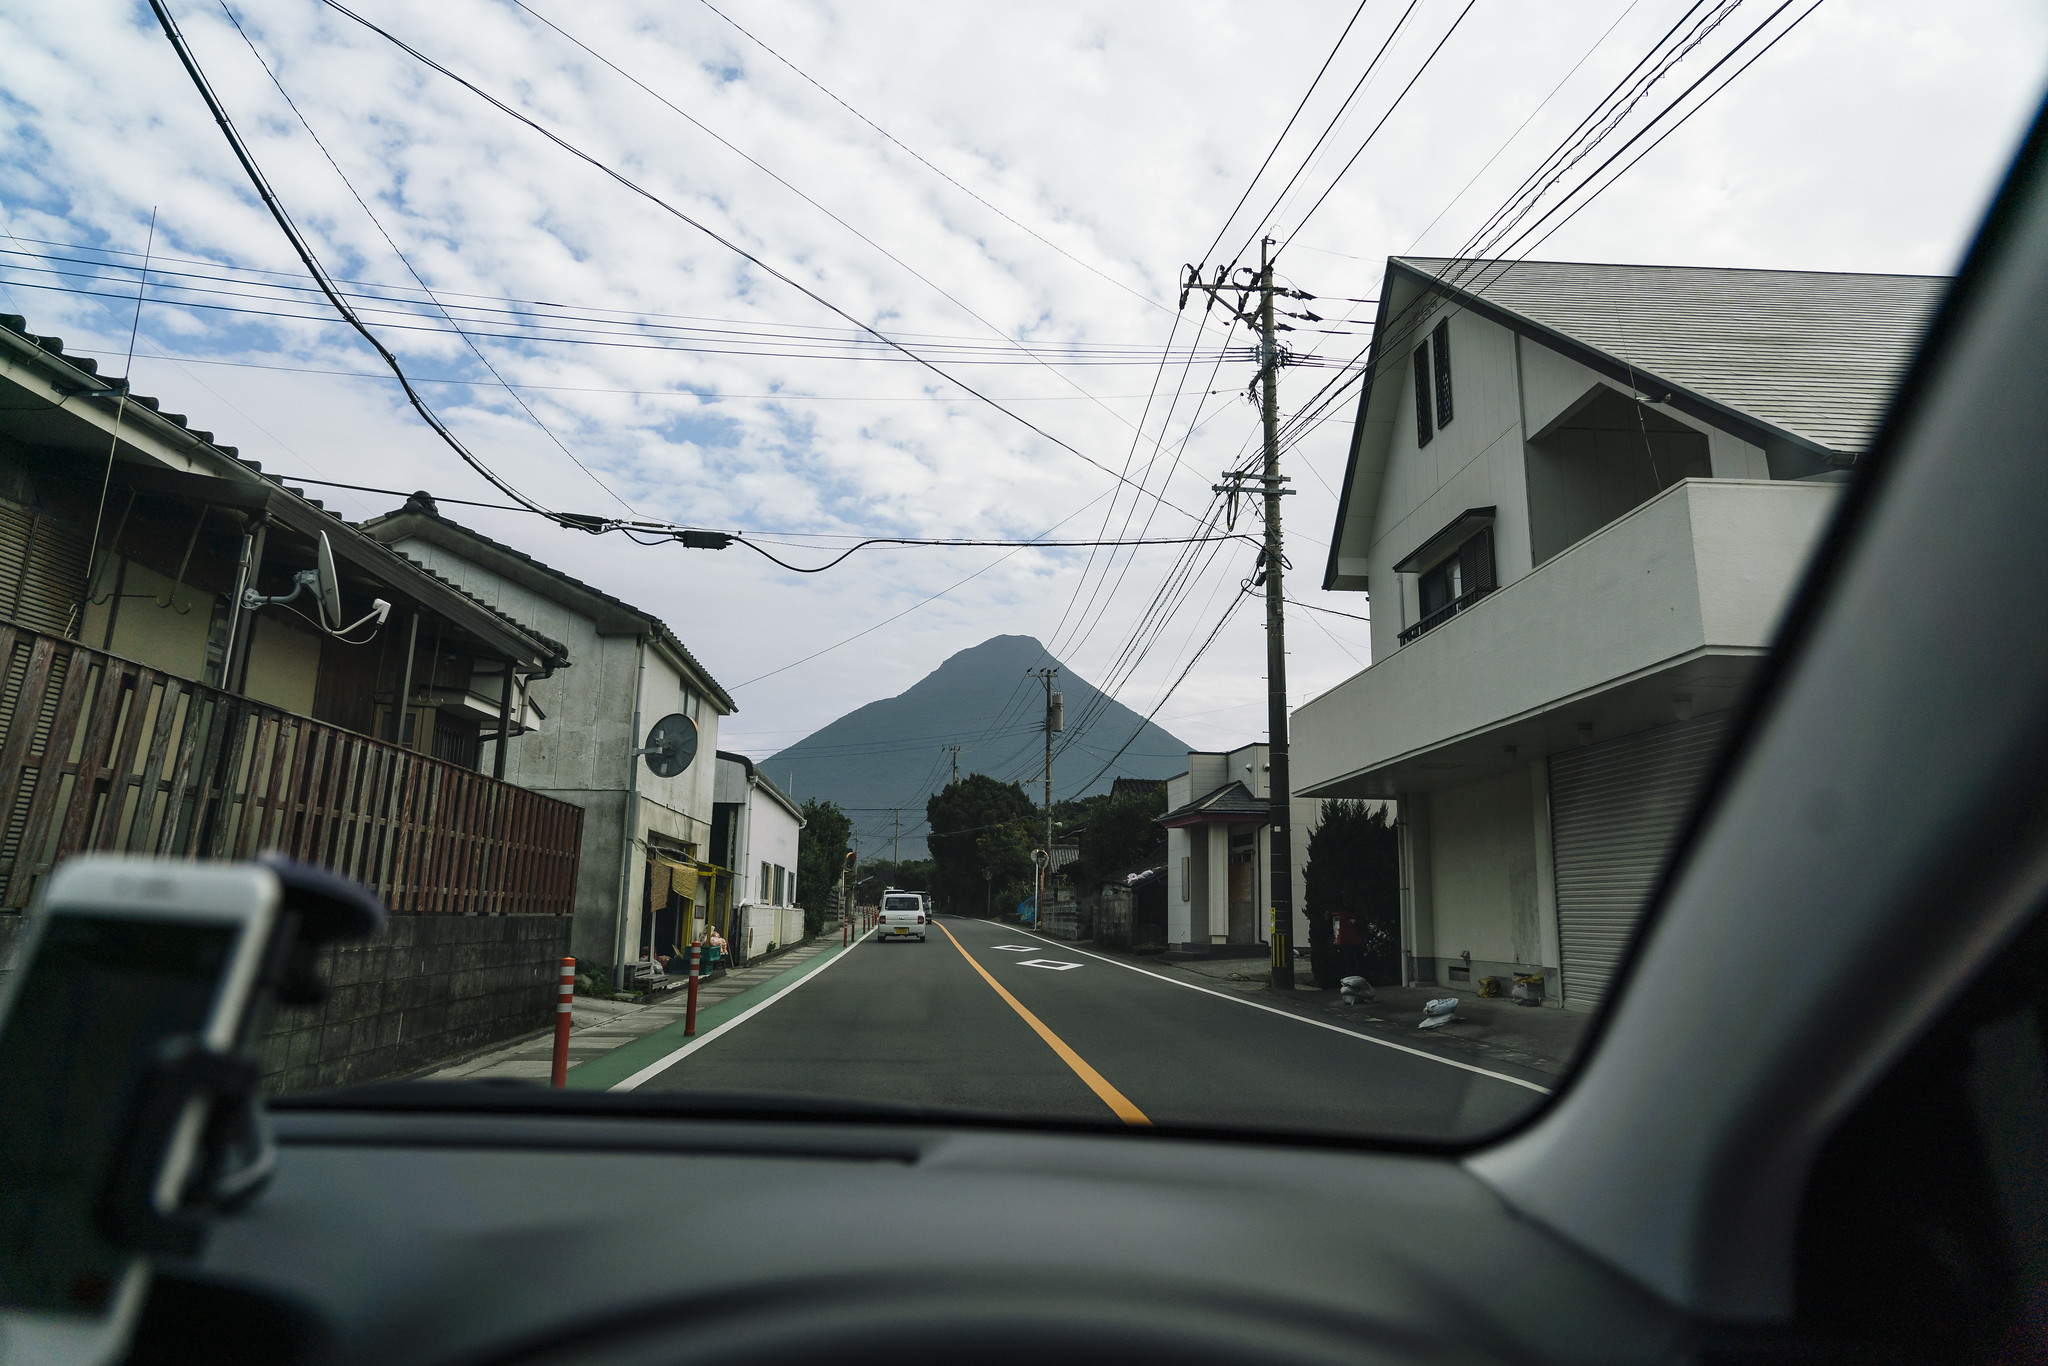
pixel 629 670
pixel 1796 365
pixel 1580 496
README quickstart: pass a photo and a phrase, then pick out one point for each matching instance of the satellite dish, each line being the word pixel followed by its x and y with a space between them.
pixel 671 745
pixel 327 584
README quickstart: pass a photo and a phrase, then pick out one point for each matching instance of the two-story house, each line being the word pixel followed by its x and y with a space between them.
pixel 643 832
pixel 1580 496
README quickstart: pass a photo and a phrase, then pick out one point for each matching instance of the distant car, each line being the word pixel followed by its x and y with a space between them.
pixel 903 917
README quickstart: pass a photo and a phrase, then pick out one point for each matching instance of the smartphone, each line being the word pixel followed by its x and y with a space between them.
pixel 119 955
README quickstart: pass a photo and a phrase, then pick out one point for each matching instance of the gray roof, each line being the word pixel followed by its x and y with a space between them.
pixel 1815 353
pixel 285 502
pixel 421 511
pixel 1231 802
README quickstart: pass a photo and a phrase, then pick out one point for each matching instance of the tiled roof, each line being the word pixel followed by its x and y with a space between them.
pixel 1814 353
pixel 423 505
pixel 54 346
pixel 1231 802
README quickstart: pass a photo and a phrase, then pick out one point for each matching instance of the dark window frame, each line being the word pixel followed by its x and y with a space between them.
pixel 1440 343
pixel 1424 428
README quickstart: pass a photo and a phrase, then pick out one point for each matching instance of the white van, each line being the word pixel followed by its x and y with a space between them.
pixel 903 916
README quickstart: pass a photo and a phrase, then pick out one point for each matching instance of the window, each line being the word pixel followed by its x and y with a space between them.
pixel 1423 428
pixel 766 891
pixel 1455 582
pixel 1441 341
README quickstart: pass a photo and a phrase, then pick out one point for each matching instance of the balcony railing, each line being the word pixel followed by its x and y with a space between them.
pixel 1445 613
pixel 101 753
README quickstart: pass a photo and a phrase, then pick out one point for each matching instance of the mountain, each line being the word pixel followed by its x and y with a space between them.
pixel 888 754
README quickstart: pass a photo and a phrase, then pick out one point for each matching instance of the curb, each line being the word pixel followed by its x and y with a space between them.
pixel 607 1070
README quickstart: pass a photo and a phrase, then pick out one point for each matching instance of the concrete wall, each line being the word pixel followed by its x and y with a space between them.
pixel 163 637
pixel 1708 563
pixel 430 987
pixel 1484 862
pixel 284 663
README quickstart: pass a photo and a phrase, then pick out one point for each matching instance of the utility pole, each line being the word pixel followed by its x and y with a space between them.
pixel 1055 722
pixel 954 750
pixel 1271 561
pixel 896 844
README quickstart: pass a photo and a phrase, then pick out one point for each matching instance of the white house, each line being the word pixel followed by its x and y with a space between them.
pixel 641 831
pixel 1581 496
pixel 1219 842
pixel 754 832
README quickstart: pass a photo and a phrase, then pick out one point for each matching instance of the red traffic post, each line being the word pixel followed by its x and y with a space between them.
pixel 690 1012
pixel 565 1009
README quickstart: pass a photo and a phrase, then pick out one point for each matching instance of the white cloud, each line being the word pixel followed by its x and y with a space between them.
pixel 1868 140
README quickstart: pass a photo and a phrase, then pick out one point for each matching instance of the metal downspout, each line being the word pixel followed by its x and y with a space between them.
pixel 626 822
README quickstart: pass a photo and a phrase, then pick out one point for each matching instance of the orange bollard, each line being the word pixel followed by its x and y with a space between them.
pixel 690 1012
pixel 565 1005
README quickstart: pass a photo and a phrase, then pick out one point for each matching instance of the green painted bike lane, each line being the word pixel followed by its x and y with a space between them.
pixel 609 1069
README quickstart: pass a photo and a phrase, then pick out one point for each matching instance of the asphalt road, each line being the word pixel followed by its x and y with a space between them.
pixel 922 1023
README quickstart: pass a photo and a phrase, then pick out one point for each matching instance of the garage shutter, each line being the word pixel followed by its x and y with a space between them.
pixel 1615 811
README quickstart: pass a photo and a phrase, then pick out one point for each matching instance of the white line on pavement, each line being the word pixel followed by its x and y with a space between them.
pixel 660 1065
pixel 1301 1019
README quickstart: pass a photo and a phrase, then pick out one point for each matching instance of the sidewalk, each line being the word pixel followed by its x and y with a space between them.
pixel 599 1025
pixel 1541 1037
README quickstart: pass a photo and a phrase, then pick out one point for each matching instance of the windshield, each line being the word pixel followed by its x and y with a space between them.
pixel 1266 577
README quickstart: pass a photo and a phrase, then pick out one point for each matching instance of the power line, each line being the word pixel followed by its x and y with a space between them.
pixel 921 160
pixel 318 272
pixel 723 241
pixel 1035 543
pixel 914 272
pixel 406 261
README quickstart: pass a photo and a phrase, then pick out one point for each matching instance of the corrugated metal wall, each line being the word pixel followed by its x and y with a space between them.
pixel 1615 810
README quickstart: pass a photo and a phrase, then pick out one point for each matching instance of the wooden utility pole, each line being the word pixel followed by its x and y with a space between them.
pixel 1272 560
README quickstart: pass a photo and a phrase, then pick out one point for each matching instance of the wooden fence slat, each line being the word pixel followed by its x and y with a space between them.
pixel 20 735
pixel 49 778
pixel 99 737
pixel 122 770
pixel 149 795
pixel 228 775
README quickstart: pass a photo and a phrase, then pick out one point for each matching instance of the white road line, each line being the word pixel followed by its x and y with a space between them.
pixel 1299 1019
pixel 660 1065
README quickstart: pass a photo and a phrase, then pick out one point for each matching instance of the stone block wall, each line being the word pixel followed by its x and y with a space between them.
pixel 429 987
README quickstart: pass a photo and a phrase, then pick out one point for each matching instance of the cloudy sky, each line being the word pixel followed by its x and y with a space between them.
pixel 1008 189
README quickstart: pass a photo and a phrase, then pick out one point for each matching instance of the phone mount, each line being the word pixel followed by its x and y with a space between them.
pixel 236 1153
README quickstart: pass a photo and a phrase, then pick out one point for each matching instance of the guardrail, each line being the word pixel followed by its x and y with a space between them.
pixel 99 752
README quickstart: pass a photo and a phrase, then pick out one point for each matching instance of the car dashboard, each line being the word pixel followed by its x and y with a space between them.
pixel 407 1236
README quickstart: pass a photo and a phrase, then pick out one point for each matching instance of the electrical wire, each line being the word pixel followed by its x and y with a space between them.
pixel 924 541
pixel 406 261
pixel 922 161
pixel 703 228
pixel 319 273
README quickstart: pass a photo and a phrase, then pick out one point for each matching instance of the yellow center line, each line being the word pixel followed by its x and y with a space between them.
pixel 1113 1098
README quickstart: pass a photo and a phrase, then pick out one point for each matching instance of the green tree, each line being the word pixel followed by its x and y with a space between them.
pixel 1124 835
pixel 959 816
pixel 820 851
pixel 1006 853
pixel 1354 868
